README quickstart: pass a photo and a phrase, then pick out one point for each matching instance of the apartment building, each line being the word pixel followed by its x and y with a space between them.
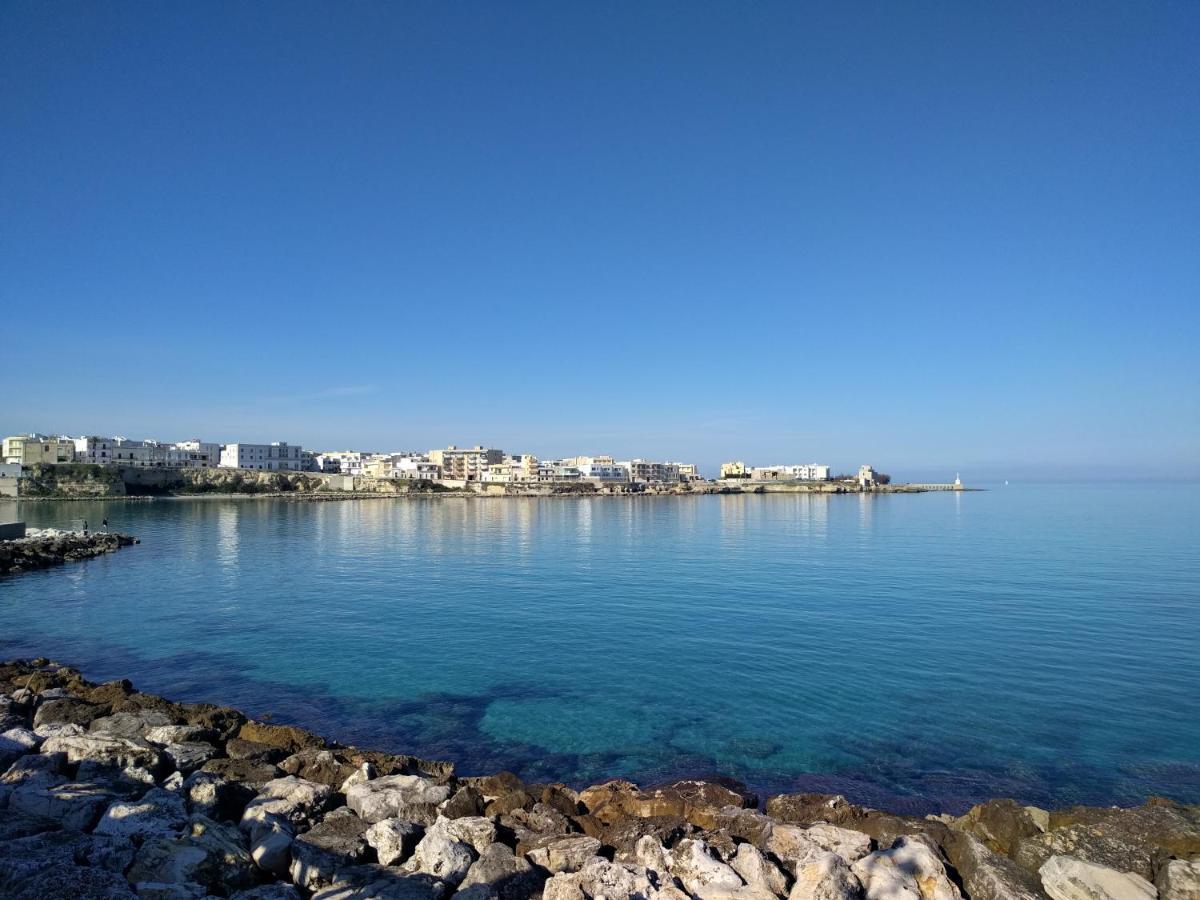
pixel 805 472
pixel 608 473
pixel 462 464
pixel 194 454
pixel 646 471
pixel 32 449
pixel 278 456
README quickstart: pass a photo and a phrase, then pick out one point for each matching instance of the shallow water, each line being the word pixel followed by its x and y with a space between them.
pixel 917 652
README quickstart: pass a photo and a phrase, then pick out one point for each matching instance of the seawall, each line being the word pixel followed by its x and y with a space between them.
pixel 43 548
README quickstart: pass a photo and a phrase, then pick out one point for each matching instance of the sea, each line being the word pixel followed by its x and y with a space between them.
pixel 915 652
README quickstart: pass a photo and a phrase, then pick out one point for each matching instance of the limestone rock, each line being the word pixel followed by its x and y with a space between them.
pixel 499 874
pixel 394 840
pixel 467 801
pixel 408 797
pixel 64 879
pixel 162 735
pixel 72 805
pixel 439 854
pixel 692 864
pixel 1066 878
pixel 850 845
pixel 158 813
pixel 987 875
pixel 284 737
pixel 809 809
pixel 909 870
pixel 67 711
pixel 827 877
pixel 207 854
pixel 131 725
pixel 244 771
pixel 118 752
pixel 336 843
pixel 321 766
pixel 240 748
pixel 698 802
pixel 372 882
pixel 791 845
pixel 292 799
pixel 210 795
pixel 16 742
pixel 1179 880
pixel 564 853
pixel 267 892
pixel 189 756
pixel 758 871
pixel 1000 824
pixel 271 846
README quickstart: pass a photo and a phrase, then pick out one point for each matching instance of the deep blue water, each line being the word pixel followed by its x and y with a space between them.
pixel 920 652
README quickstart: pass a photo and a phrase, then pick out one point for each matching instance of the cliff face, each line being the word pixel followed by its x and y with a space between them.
pixel 81 480
pixel 72 480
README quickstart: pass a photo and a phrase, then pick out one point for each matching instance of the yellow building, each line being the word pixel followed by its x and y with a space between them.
pixel 733 469
pixel 463 464
pixel 31 449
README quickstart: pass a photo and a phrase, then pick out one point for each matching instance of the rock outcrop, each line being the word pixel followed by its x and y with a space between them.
pixel 41 549
pixel 106 792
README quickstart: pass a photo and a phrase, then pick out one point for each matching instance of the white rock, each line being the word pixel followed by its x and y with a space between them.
pixel 1179 879
pixel 791 845
pixel 271 846
pixel 909 870
pixel 849 845
pixel 160 812
pixel 393 840
pixel 692 864
pixel 649 852
pixel 361 775
pixel 568 852
pixel 1068 878
pixel 294 800
pixel 477 831
pixel 440 855
pixel 392 796
pixel 117 752
pixel 758 871
pixel 826 877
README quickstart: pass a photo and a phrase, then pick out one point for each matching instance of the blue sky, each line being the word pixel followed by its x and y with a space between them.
pixel 933 236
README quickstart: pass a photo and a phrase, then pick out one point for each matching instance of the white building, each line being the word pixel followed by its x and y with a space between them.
pixel 120 451
pixel 608 473
pixel 279 456
pixel 645 471
pixel 804 472
pixel 194 454
pixel 345 462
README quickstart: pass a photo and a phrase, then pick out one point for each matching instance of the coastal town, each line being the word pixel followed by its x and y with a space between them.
pixel 450 467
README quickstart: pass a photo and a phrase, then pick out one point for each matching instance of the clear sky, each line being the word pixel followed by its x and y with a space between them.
pixel 931 236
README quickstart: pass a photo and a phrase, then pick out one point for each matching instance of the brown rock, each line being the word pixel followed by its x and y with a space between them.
pixel 699 802
pixel 1000 824
pixel 808 809
pixel 285 737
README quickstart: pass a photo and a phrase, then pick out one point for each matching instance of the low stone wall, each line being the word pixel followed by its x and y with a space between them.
pixel 107 791
pixel 43 548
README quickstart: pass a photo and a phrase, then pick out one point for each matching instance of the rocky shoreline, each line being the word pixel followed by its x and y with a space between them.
pixel 47 547
pixel 108 792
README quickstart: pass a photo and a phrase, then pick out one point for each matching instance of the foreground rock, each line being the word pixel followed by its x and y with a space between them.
pixel 106 792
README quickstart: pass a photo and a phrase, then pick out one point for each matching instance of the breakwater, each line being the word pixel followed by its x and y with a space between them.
pixel 108 791
pixel 43 548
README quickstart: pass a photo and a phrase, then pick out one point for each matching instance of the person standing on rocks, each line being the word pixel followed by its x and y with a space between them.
pixel 85 527
pixel 104 525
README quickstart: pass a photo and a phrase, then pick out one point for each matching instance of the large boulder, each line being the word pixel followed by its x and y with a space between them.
pixel 64 879
pixel 293 800
pixel 499 874
pixel 691 862
pixel 73 806
pixel 215 797
pixel 67 711
pixel 757 871
pixel 158 813
pixel 1128 840
pixel 284 737
pixel 987 875
pixel 1066 878
pixel 601 878
pixel 827 877
pixel 440 854
pixel 1002 824
pixel 909 870
pixel 374 882
pixel 1179 879
pixel 408 797
pixel 322 766
pixel 188 756
pixel 809 809
pixel 698 802
pixel 252 773
pixel 336 843
pixel 207 854
pixel 129 724
pixel 117 752
pixel 394 840
pixel 16 742
pixel 564 852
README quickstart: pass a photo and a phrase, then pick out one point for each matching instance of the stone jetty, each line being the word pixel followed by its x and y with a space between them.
pixel 43 548
pixel 107 792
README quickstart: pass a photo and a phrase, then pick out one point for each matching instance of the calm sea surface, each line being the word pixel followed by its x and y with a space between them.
pixel 916 652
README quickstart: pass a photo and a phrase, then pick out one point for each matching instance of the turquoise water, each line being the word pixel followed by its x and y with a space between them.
pixel 912 651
